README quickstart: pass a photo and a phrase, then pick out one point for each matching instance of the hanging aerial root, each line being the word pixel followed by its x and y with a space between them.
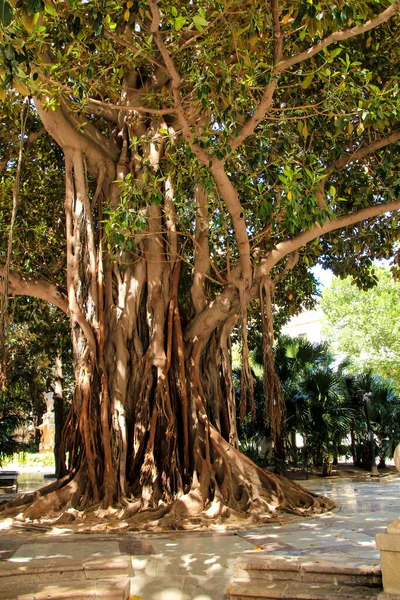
pixel 87 432
pixel 275 402
pixel 246 377
pixel 5 276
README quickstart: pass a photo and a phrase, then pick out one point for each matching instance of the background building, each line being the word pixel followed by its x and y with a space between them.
pixel 308 325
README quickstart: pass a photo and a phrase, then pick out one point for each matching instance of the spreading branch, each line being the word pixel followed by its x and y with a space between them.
pixel 267 97
pixel 69 130
pixel 136 49
pixel 138 108
pixel 339 36
pixel 204 31
pixel 227 303
pixel 278 40
pixel 201 250
pixel 201 154
pixel 21 284
pixel 364 151
pixel 225 186
pixel 231 198
pixel 353 156
pixel 288 246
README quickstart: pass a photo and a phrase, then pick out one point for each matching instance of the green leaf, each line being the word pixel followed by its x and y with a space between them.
pixel 200 22
pixel 6 13
pixel 49 8
pixel 307 81
pixel 179 23
pixel 336 52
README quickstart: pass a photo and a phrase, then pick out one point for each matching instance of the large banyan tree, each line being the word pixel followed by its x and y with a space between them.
pixel 211 153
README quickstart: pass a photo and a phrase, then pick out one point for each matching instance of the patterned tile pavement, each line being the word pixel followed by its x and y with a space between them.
pixel 198 566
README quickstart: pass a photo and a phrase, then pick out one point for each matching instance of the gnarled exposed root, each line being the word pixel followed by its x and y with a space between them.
pixel 17 505
pixel 239 493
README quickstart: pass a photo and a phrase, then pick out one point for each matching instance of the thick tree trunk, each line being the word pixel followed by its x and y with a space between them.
pixel 166 432
pixel 152 424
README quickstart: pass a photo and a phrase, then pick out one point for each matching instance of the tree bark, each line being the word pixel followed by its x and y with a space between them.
pixel 153 419
pixel 152 423
pixel 58 414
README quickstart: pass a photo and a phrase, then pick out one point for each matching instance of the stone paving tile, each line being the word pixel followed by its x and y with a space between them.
pixel 136 547
pixel 268 543
pixel 372 556
pixel 8 548
pixel 328 550
pixel 150 588
pixel 25 591
pixel 276 589
pixel 205 588
pixel 338 558
pixel 294 552
pixel 223 545
pixel 274 547
pixel 145 566
pixel 6 554
pixel 60 550
pixel 372 532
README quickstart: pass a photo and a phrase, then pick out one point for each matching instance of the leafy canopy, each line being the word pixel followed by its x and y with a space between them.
pixel 326 146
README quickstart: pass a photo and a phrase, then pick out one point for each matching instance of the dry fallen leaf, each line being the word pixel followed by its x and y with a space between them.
pixel 257 548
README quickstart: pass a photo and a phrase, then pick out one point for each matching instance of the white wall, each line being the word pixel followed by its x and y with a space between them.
pixel 307 324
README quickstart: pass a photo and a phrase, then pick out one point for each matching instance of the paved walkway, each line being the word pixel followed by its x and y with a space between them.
pixel 198 566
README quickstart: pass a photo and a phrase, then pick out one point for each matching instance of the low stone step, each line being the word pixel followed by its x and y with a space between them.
pixel 298 590
pixel 105 577
pixel 96 589
pixel 43 569
pixel 291 569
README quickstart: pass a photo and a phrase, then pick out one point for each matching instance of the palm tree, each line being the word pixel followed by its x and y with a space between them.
pixel 327 419
pixel 386 406
pixel 294 358
pixel 376 410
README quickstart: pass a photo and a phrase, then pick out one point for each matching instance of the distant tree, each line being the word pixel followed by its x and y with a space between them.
pixel 297 363
pixel 379 426
pixel 8 442
pixel 326 418
pixel 39 360
pixel 365 325
pixel 294 358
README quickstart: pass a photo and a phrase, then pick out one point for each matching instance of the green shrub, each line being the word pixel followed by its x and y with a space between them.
pixel 29 459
